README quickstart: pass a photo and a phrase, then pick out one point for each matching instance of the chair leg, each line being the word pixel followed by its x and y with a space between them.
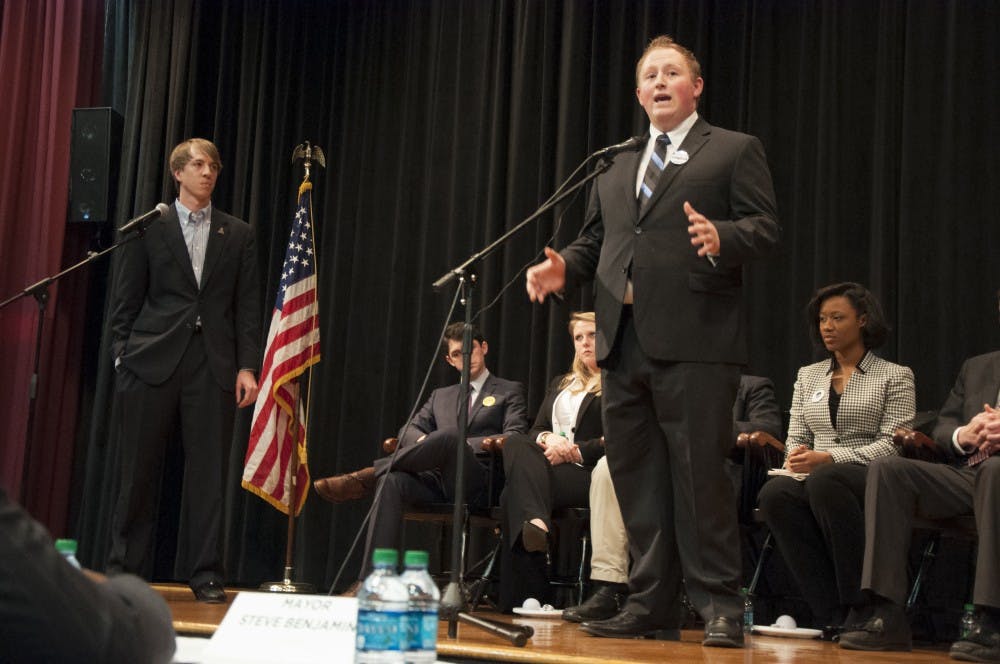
pixel 765 553
pixel 930 551
pixel 477 587
pixel 580 580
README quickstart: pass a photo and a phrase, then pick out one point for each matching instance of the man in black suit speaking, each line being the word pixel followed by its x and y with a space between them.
pixel 185 325
pixel 668 229
pixel 423 468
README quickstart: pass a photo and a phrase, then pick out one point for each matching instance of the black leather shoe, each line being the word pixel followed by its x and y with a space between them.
pixel 605 602
pixel 887 629
pixel 981 645
pixel 211 592
pixel 627 626
pixel 723 632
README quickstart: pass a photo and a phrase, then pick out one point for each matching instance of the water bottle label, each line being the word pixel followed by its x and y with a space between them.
pixel 380 630
pixel 429 630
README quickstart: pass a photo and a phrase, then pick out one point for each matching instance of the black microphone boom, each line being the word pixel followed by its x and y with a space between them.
pixel 141 221
pixel 630 144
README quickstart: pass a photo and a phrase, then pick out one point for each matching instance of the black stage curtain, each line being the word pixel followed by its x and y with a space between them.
pixel 445 122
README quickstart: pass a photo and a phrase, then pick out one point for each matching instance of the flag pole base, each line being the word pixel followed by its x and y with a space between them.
pixel 287 585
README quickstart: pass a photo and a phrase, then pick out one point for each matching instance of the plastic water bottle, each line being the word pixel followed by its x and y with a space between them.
pixel 67 547
pixel 747 611
pixel 968 620
pixel 422 609
pixel 381 621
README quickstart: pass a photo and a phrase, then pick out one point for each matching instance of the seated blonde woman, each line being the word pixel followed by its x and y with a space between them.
pixel 549 467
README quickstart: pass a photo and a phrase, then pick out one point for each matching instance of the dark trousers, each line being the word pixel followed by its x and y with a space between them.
pixel 421 472
pixel 533 488
pixel 818 525
pixel 150 414
pixel 668 429
pixel 899 489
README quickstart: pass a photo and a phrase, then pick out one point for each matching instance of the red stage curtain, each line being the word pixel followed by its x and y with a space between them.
pixel 50 59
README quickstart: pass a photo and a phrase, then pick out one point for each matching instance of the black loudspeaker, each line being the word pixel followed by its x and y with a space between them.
pixel 95 150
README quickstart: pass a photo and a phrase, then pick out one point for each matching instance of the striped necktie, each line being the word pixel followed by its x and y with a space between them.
pixel 657 162
pixel 978 457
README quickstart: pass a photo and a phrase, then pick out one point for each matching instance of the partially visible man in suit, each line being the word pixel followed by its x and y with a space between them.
pixel 755 409
pixel 898 489
pixel 668 230
pixel 422 470
pixel 185 323
pixel 51 611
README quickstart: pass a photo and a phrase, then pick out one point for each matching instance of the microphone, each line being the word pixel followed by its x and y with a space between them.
pixel 141 221
pixel 630 144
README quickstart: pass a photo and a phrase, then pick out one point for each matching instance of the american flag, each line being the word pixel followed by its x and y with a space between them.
pixel 292 347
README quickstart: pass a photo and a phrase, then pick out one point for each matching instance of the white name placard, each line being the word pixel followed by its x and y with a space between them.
pixel 287 628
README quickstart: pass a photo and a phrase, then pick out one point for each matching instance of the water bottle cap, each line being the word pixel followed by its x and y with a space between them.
pixel 66 546
pixel 385 557
pixel 415 558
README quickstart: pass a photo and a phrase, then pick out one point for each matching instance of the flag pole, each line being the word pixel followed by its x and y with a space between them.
pixel 287 585
pixel 307 153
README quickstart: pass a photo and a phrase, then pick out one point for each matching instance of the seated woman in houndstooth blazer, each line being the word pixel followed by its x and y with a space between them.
pixel 844 411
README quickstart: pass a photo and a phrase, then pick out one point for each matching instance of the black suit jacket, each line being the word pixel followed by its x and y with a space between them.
pixel 977 384
pixel 589 430
pixel 499 409
pixel 685 309
pixel 756 408
pixel 157 300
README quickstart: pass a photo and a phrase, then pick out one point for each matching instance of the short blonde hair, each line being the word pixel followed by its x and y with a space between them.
pixel 181 155
pixel 666 41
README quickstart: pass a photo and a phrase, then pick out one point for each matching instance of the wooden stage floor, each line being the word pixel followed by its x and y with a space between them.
pixel 560 642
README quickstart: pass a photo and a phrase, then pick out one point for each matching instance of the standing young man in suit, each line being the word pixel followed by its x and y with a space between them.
pixel 423 468
pixel 968 432
pixel 185 323
pixel 668 229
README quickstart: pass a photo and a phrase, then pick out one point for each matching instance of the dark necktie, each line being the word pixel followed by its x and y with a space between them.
pixel 657 162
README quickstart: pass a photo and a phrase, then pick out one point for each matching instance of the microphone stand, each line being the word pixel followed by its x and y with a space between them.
pixel 40 291
pixel 453 600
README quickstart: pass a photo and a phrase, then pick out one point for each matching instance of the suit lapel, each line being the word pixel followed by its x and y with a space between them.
pixel 587 398
pixel 487 389
pixel 629 172
pixel 218 234
pixel 695 140
pixel 994 385
pixel 174 239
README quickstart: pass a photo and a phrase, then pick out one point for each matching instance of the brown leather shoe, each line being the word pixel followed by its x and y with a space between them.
pixel 342 488
pixel 352 590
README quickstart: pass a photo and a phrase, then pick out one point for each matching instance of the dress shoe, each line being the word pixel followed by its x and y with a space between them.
pixel 342 488
pixel 605 602
pixel 533 538
pixel 723 632
pixel 352 590
pixel 857 616
pixel 982 644
pixel 886 629
pixel 211 592
pixel 627 626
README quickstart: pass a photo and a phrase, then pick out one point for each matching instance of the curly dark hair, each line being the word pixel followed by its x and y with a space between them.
pixel 875 330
